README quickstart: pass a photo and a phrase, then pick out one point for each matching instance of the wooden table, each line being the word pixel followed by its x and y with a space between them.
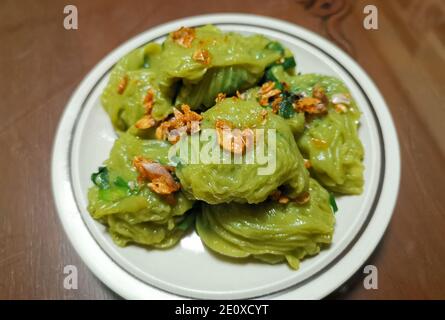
pixel 41 63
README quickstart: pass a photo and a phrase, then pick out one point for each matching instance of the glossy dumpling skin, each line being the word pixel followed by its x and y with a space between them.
pixel 236 62
pixel 130 80
pixel 331 142
pixel 269 231
pixel 132 212
pixel 338 165
pixel 218 183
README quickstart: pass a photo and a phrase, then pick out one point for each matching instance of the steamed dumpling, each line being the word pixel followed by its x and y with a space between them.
pixel 235 62
pixel 220 182
pixel 190 67
pixel 331 141
pixel 132 212
pixel 132 80
pixel 270 231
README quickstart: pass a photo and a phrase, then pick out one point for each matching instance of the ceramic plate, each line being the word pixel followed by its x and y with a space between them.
pixel 84 139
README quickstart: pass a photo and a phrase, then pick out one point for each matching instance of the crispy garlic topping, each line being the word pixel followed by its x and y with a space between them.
pixel 240 95
pixel 340 108
pixel 220 97
pixel 184 36
pixel 149 100
pixel 319 93
pixel 122 84
pixel 341 102
pixel 202 56
pixel 147 120
pixel 161 180
pixel 317 104
pixel 181 123
pixel 233 140
pixel 276 104
pixel 310 105
pixel 343 98
pixel 267 91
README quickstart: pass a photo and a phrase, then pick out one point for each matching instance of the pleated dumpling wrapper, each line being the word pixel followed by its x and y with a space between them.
pixel 330 140
pixel 191 66
pixel 131 210
pixel 269 161
pixel 270 231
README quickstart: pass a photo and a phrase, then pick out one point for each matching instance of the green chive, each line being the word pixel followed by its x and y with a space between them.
pixel 289 62
pixel 275 46
pixel 333 203
pixel 286 109
pixel 100 178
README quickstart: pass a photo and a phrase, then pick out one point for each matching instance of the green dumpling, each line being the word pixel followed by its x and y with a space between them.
pixel 217 182
pixel 330 141
pixel 130 81
pixel 131 211
pixel 175 75
pixel 337 162
pixel 236 62
pixel 269 231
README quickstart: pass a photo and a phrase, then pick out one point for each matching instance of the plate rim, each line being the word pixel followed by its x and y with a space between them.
pixel 382 114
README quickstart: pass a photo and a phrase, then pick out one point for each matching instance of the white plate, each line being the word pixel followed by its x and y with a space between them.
pixel 85 136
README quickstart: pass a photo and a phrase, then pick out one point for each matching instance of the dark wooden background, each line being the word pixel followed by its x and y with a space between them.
pixel 41 63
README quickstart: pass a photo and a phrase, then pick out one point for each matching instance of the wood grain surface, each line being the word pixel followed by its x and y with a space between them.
pixel 41 63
